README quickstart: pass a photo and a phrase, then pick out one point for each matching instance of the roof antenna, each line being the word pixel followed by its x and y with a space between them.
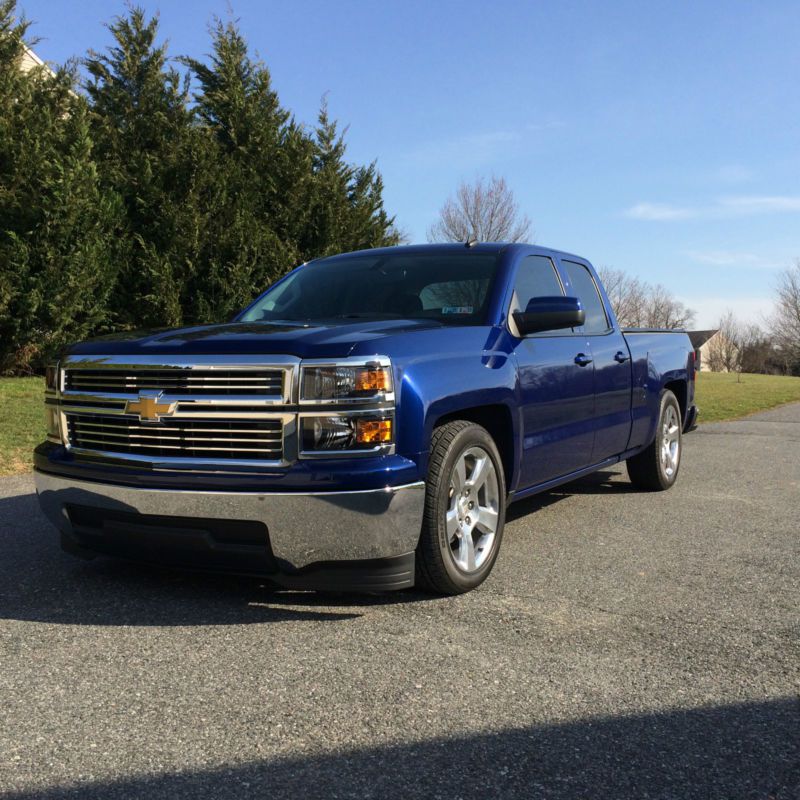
pixel 471 242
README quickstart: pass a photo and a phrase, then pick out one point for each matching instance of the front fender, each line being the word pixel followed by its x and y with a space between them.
pixel 470 368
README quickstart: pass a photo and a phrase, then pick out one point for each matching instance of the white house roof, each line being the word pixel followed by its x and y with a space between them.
pixel 30 60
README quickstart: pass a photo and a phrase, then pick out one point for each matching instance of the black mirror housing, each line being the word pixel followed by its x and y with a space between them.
pixel 550 314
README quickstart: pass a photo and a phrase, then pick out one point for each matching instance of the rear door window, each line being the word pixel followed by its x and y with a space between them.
pixel 585 289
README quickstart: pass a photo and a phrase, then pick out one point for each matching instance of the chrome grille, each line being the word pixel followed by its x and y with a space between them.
pixel 176 380
pixel 217 439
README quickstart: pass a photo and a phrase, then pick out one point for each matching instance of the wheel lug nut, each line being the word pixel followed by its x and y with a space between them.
pixel 467 520
pixel 471 504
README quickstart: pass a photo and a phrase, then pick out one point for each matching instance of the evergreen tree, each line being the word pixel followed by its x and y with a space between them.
pixel 264 161
pixel 56 221
pixel 286 196
pixel 154 158
pixel 138 209
pixel 346 204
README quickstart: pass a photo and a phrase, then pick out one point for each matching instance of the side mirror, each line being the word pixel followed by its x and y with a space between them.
pixel 550 314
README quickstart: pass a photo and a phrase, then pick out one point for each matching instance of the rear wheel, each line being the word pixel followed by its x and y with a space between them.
pixel 464 509
pixel 656 467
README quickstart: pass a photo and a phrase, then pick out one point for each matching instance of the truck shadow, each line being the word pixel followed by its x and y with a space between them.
pixel 745 750
pixel 602 482
pixel 40 583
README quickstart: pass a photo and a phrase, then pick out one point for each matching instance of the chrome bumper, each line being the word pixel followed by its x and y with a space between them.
pixel 303 528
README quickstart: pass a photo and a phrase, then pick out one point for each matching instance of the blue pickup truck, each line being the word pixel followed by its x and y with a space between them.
pixel 363 424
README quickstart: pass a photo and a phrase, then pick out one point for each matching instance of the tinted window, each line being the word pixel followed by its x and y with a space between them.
pixel 451 287
pixel 536 277
pixel 584 288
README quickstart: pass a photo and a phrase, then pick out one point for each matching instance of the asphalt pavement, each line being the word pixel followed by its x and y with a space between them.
pixel 627 645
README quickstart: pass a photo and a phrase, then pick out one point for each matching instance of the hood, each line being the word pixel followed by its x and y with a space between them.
pixel 305 340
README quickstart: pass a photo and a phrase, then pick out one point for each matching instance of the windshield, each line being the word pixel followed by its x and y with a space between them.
pixel 452 288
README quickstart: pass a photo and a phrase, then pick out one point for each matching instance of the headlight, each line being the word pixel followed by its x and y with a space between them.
pixel 51 378
pixel 345 432
pixel 342 382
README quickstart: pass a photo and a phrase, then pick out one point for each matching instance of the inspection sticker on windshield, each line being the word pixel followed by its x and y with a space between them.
pixel 457 310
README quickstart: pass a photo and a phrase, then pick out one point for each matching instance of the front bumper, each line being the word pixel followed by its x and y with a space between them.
pixel 295 539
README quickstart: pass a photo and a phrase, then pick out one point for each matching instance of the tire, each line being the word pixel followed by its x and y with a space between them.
pixel 656 467
pixel 457 549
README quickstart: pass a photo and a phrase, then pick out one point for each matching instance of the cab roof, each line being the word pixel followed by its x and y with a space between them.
pixel 453 247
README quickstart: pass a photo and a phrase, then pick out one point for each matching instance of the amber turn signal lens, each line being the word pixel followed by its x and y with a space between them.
pixel 373 380
pixel 373 431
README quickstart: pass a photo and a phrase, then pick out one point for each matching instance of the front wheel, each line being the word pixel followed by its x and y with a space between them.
pixel 656 467
pixel 464 509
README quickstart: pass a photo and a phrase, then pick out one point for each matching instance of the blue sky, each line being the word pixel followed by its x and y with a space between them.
pixel 660 138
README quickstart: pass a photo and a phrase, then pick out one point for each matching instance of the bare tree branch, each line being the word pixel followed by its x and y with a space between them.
pixel 785 323
pixel 725 349
pixel 637 304
pixel 739 347
pixel 486 211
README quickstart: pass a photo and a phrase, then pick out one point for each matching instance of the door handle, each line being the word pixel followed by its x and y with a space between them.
pixel 582 360
pixel 621 357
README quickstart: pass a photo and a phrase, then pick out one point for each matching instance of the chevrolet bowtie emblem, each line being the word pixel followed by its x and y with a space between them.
pixel 148 408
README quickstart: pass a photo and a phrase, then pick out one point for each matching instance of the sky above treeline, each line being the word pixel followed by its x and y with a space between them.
pixel 662 139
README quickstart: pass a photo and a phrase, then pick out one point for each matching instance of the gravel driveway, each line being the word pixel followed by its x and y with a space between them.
pixel 628 645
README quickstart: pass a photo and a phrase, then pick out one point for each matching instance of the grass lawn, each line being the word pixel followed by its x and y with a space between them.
pixel 720 396
pixel 21 422
pixel 723 395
